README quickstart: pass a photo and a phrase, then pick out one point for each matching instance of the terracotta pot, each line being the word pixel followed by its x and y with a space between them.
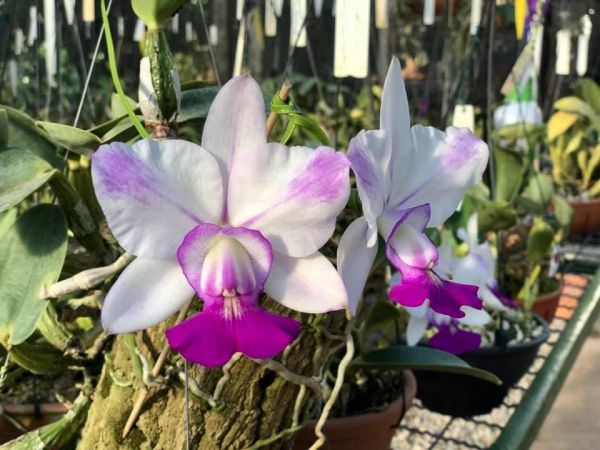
pixel 372 431
pixel 546 305
pixel 587 216
pixel 29 417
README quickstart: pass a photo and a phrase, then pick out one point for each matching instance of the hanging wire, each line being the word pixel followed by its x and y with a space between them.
pixel 210 47
pixel 490 95
pixel 288 64
pixel 89 73
pixel 187 405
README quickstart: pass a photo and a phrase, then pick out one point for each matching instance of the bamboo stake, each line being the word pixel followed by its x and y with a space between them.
pixel 139 403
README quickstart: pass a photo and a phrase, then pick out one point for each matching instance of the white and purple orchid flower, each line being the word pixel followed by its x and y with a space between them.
pixel 409 179
pixel 227 220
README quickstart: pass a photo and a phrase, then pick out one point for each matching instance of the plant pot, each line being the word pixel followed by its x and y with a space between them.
pixel 586 218
pixel 29 416
pixel 546 305
pixel 372 431
pixel 463 396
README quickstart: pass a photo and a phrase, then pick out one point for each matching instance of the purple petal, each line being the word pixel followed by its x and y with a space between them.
pixel 210 338
pixel 291 195
pixel 406 242
pixel 154 192
pixel 219 260
pixel 445 297
pixel 454 340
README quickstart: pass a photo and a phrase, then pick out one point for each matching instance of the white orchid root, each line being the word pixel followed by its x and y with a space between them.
pixel 87 279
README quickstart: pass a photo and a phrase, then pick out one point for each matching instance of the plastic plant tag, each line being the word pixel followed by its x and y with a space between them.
pixel 239 9
pixel 138 32
pixel 175 24
pixel 33 31
pixel 351 54
pixel 239 49
pixel 189 32
pixel 120 27
pixel 520 14
pixel 517 73
pixel 270 20
pixel 69 11
pixel 475 16
pixel 583 44
pixel 88 11
pixel 464 117
pixel 428 12
pixel 213 35
pixel 563 52
pixel 537 36
pixel 277 6
pixel 318 7
pixel 382 8
pixel 19 39
pixel 13 74
pixel 297 25
pixel 50 40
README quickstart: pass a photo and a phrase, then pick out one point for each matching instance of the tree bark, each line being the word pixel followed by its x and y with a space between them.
pixel 255 404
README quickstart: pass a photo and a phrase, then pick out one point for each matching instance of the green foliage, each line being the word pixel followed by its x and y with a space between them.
pixel 155 12
pixel 21 173
pixel 161 73
pixel 33 251
pixel 296 119
pixel 538 194
pixel 39 357
pixel 539 241
pixel 73 139
pixel 382 312
pixel 419 358
pixel 510 169
pixel 53 330
pixel 3 129
pixel 195 103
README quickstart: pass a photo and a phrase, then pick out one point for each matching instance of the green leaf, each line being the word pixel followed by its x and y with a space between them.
pixel 33 251
pixel 25 135
pixel 21 173
pixel 538 194
pixel 589 91
pixel 539 241
pixel 38 358
pixel 383 311
pixel 7 219
pixel 419 358
pixel 117 109
pixel 574 104
pixel 195 103
pixel 510 169
pixel 53 330
pixel 155 12
pixel 3 129
pixel 74 139
pixel 563 211
pixel 493 215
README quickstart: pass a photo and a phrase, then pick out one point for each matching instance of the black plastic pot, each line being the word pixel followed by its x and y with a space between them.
pixel 463 396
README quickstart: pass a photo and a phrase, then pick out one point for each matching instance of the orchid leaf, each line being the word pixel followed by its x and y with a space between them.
pixel 195 103
pixel 73 139
pixel 510 169
pixel 3 129
pixel 574 104
pixel 589 91
pixel 383 311
pixel 33 251
pixel 559 123
pixel 539 241
pixel 38 358
pixel 21 173
pixel 538 193
pixel 24 134
pixel 116 106
pixel 562 211
pixel 419 358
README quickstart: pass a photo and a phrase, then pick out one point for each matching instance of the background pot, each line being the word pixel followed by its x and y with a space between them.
pixel 463 396
pixel 372 431
pixel 30 416
pixel 546 305
pixel 586 217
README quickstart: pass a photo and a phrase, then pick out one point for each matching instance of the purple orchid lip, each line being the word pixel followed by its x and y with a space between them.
pixel 457 341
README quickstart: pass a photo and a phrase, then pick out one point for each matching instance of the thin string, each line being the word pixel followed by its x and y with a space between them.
pixel 210 48
pixel 288 64
pixel 187 405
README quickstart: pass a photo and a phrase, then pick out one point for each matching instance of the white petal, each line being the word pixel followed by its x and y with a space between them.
pixel 309 284
pixel 474 317
pixel 355 259
pixel 369 154
pixel 420 312
pixel 489 299
pixel 236 124
pixel 444 167
pixel 146 293
pixel 415 329
pixel 155 192
pixel 291 195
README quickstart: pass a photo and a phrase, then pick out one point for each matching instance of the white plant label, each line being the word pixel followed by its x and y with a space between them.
pixel 50 40
pixel 563 52
pixel 32 34
pixel 297 25
pixel 428 12
pixel 239 9
pixel 138 32
pixel 351 54
pixel 318 7
pixel 19 39
pixel 270 19
pixel 464 117
pixel 213 35
pixel 175 23
pixel 538 42
pixel 239 49
pixel 583 45
pixel 475 16
pixel 88 11
pixel 277 6
pixel 13 74
pixel 120 27
pixel 69 11
pixel 189 32
pixel 382 10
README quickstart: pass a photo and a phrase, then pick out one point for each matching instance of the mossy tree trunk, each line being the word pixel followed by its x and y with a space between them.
pixel 256 403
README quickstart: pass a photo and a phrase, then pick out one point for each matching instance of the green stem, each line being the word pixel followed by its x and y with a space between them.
pixel 112 63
